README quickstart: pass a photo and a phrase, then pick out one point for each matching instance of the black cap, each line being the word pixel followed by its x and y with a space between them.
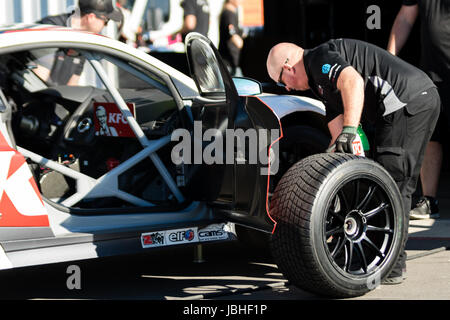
pixel 105 8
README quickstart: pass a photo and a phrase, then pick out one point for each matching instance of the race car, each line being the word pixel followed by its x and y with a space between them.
pixel 105 150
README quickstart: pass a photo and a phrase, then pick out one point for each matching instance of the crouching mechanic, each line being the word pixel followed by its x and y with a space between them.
pixel 362 83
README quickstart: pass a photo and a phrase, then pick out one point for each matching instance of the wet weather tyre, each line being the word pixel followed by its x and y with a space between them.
pixel 340 224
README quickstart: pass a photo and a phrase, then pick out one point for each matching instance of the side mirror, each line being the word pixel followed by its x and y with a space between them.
pixel 247 87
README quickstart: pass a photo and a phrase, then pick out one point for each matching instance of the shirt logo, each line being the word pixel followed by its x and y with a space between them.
pixel 326 68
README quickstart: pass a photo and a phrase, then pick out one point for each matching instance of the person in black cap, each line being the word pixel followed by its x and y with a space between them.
pixel 92 16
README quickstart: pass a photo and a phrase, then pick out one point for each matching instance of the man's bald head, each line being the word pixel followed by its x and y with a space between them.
pixel 278 55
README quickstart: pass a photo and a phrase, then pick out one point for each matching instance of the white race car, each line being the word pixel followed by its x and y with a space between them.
pixel 105 150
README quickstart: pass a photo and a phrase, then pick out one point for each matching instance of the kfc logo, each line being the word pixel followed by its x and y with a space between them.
pixel 104 130
pixel 109 120
pixel 117 118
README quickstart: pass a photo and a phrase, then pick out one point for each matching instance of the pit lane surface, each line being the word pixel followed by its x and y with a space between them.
pixel 170 274
pixel 229 272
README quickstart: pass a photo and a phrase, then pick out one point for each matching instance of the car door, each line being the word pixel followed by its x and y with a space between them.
pixel 237 185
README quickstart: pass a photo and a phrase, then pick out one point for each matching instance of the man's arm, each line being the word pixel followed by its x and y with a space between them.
pixel 351 85
pixel 189 24
pixel 402 28
pixel 74 79
pixel 235 38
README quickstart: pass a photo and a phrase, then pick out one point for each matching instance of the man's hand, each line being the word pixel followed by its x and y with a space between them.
pixel 344 142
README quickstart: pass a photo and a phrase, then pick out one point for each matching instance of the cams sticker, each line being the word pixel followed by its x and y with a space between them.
pixel 213 232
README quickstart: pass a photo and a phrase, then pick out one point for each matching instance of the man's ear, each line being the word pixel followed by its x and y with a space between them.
pixel 288 67
pixel 90 16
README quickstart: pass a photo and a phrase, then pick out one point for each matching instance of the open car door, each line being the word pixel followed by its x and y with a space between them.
pixel 238 134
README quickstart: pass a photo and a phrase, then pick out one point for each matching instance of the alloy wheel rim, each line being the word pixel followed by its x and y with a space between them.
pixel 359 227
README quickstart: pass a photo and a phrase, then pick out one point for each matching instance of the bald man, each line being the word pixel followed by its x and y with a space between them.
pixel 362 83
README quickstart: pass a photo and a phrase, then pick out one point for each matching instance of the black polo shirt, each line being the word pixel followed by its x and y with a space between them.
pixel 390 83
pixel 229 26
pixel 66 62
pixel 435 37
pixel 200 9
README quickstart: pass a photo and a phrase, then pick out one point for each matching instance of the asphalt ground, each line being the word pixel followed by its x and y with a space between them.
pixel 229 274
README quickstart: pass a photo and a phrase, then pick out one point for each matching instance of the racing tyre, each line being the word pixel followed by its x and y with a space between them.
pixel 340 224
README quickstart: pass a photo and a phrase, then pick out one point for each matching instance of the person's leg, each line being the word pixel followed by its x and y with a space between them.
pixel 427 206
pixel 401 140
pixel 431 168
pixel 391 136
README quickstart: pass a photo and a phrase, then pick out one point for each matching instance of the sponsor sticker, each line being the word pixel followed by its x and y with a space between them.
pixel 358 148
pixel 182 236
pixel 109 120
pixel 212 233
pixel 169 237
pixel 153 239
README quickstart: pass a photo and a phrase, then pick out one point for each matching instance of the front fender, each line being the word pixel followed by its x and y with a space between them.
pixel 283 105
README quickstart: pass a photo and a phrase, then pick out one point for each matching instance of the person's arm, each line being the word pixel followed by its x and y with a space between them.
pixel 189 17
pixel 402 28
pixel 74 79
pixel 351 85
pixel 235 38
pixel 189 24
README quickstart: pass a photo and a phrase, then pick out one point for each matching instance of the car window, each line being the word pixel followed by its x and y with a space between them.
pixel 57 67
pixel 39 69
pixel 206 68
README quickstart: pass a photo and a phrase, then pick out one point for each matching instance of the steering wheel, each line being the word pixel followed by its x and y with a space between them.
pixel 79 128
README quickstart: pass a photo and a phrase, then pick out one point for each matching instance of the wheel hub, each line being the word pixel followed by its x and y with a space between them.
pixel 354 224
pixel 351 226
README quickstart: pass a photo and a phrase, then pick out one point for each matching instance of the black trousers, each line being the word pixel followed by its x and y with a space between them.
pixel 401 138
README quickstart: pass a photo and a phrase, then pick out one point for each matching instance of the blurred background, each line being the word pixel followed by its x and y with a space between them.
pixel 265 23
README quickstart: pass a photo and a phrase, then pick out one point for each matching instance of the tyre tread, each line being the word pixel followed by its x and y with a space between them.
pixel 291 206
